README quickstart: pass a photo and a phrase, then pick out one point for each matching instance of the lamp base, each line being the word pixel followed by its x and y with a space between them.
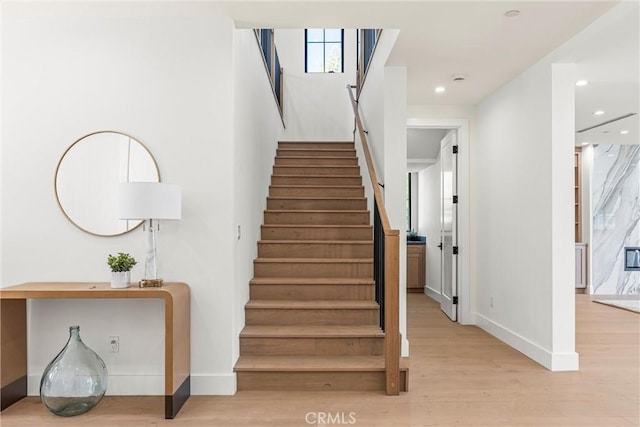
pixel 151 283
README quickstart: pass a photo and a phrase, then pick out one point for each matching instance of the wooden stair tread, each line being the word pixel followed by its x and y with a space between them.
pixel 298 141
pixel 315 187
pixel 310 363
pixel 345 211
pixel 281 175
pixel 312 187
pixel 317 242
pixel 310 281
pixel 316 198
pixel 314 157
pixel 316 149
pixel 313 304
pixel 311 331
pixel 316 166
pixel 315 260
pixel 318 225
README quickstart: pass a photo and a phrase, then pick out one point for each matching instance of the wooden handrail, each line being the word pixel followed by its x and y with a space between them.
pixel 370 166
pixel 391 268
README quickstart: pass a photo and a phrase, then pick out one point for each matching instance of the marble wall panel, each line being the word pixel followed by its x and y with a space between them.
pixel 616 217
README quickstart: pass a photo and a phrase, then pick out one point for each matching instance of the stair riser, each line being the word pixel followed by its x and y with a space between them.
pixel 322 145
pixel 315 180
pixel 312 346
pixel 316 192
pixel 302 292
pixel 317 218
pixel 316 233
pixel 306 317
pixel 317 204
pixel 316 161
pixel 311 381
pixel 301 269
pixel 310 152
pixel 315 250
pixel 311 170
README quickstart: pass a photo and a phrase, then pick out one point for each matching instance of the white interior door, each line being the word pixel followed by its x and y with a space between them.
pixel 448 221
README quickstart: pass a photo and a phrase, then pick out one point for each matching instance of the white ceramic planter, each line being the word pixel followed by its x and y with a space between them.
pixel 120 279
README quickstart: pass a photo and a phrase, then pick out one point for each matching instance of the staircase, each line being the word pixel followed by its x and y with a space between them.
pixel 312 322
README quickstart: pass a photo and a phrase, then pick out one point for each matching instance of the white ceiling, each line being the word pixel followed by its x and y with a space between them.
pixel 438 39
pixel 611 64
pixel 423 147
pixel 424 143
pixel 476 39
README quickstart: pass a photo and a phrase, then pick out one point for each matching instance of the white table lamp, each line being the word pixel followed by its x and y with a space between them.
pixel 150 201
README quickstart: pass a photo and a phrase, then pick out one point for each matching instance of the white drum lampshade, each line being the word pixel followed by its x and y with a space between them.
pixel 149 200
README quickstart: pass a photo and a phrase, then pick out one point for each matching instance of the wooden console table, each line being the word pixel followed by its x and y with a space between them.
pixel 13 324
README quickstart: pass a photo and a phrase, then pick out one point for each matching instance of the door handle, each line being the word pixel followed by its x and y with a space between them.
pixel 440 245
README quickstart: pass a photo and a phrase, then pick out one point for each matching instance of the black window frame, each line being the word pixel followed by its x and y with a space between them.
pixel 323 42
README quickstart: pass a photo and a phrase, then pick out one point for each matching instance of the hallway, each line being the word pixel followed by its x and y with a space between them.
pixel 460 376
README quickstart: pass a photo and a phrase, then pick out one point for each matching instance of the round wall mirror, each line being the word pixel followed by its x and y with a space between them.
pixel 87 178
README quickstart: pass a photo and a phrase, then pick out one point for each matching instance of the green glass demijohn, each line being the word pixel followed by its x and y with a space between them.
pixel 76 379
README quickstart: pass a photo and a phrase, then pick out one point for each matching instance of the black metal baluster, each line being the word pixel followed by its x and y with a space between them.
pixel 378 261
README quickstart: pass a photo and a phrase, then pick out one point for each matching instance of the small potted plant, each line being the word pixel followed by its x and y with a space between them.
pixel 121 266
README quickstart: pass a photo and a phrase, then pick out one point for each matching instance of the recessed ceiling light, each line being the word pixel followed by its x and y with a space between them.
pixel 624 132
pixel 459 77
pixel 440 89
pixel 512 13
pixel 598 113
pixel 582 83
pixel 585 143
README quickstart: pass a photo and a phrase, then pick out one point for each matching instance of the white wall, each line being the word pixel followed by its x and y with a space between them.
pixel 395 172
pixel 316 105
pixel 523 250
pixel 429 223
pixel 164 74
pixel 372 101
pixel 257 129
pixel 383 103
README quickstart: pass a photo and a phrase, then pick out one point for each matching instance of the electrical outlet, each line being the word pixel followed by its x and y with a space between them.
pixel 114 344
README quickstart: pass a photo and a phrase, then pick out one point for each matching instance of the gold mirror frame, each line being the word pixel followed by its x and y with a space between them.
pixel 60 162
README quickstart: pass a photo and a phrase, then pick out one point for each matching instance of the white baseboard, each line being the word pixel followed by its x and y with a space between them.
pixel 153 385
pixel 565 362
pixel 551 361
pixel 118 385
pixel 434 295
pixel 213 384
pixel 404 347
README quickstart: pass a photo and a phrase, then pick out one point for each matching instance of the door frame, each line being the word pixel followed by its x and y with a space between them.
pixel 466 298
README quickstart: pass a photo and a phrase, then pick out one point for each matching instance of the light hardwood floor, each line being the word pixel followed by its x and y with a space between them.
pixel 460 376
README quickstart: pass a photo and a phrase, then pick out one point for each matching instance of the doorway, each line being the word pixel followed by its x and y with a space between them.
pixel 447 279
